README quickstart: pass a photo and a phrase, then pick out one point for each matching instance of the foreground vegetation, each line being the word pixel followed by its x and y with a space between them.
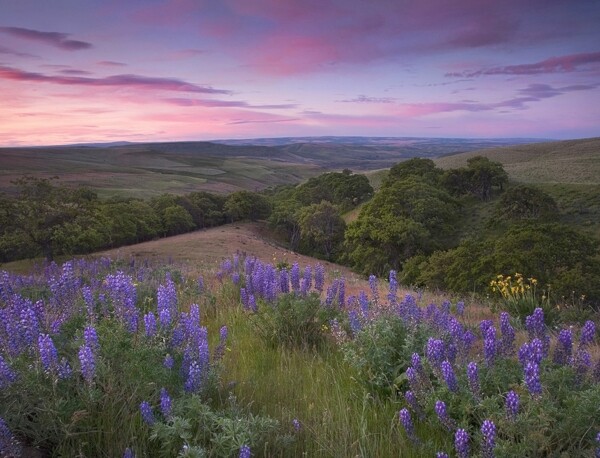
pixel 107 358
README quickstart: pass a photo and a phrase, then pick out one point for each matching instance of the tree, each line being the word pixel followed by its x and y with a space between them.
pixel 526 203
pixel 416 167
pixel 177 220
pixel 322 227
pixel 485 175
pixel 41 210
pixel 246 205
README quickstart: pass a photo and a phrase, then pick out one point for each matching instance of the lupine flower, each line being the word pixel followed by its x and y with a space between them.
pixel 7 375
pixel 295 277
pixel 489 345
pixel 8 444
pixel 319 277
pixel 449 376
pixel 588 331
pixel 307 278
pixel 128 453
pixel 245 452
pixel 461 443
pixel 435 351
pixel 252 303
pixel 200 283
pixel 441 412
pixel 194 378
pixel 165 403
pixel 374 289
pixel 48 353
pixel 90 338
pixel 244 297
pixel 363 302
pixel 512 404
pixel 393 288
pixel 508 334
pixel 411 400
pixel 460 308
pixel 88 363
pixel 407 423
pixel 581 362
pixel 484 325
pixel 473 378
pixel 598 445
pixel 150 324
pixel 488 430
pixel 297 425
pixel 355 325
pixel 537 329
pixel 564 347
pixel 441 455
pixel 532 378
pixel 284 283
pixel 331 293
pixel 146 412
pixel 64 369
pixel 341 292
pixel 168 362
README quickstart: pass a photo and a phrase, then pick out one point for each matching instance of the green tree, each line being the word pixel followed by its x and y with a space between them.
pixel 416 167
pixel 177 220
pixel 246 205
pixel 322 227
pixel 525 203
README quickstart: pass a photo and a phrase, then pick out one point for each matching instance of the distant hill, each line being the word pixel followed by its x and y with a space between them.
pixel 569 161
pixel 148 169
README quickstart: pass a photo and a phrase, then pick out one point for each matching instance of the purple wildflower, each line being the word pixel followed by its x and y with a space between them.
pixel 413 403
pixel 460 308
pixel 564 347
pixel 244 297
pixel 128 453
pixel 194 378
pixel 252 303
pixel 150 324
pixel 307 278
pixel 473 378
pixel 508 334
pixel 319 277
pixel 532 378
pixel 7 375
pixel 393 288
pixel 88 363
pixel 341 292
pixel 374 289
pixel 512 404
pixel 331 293
pixel 435 351
pixel 168 362
pixel 284 283
pixel 489 345
pixel 295 277
pixel 488 430
pixel 8 444
pixel 48 353
pixel 90 338
pixel 407 423
pixel 588 331
pixel 484 325
pixel 598 445
pixel 442 414
pixel 165 403
pixel 200 283
pixel 146 412
pixel 461 443
pixel 441 455
pixel 245 452
pixel 581 362
pixel 355 325
pixel 449 376
pixel 297 425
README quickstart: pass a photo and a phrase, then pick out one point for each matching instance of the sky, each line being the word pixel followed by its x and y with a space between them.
pixel 74 71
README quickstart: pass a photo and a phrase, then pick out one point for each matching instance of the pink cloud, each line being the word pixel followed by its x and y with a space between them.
pixel 118 81
pixel 183 102
pixel 111 63
pixel 56 39
pixel 562 64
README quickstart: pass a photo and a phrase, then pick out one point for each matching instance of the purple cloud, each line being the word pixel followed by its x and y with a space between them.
pixel 131 81
pixel 254 121
pixel 11 52
pixel 111 63
pixel 367 99
pixel 183 102
pixel 57 39
pixel 562 64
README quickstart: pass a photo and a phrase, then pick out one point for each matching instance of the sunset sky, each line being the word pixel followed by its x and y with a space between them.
pixel 161 70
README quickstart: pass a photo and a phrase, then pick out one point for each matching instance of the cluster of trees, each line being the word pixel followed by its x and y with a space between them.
pixel 309 215
pixel 45 219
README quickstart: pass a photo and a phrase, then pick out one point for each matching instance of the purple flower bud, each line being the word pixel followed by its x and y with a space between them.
pixel 508 334
pixel 461 443
pixel 407 423
pixel 147 414
pixel 165 403
pixel 489 345
pixel 245 452
pixel 295 277
pixel 441 412
pixel 150 324
pixel 460 308
pixel 435 351
pixel 411 400
pixel 532 378
pixel 488 430
pixel 512 404
pixel 449 376
pixel 307 278
pixel 88 364
pixel 564 347
pixel 588 332
pixel 48 353
pixel 473 378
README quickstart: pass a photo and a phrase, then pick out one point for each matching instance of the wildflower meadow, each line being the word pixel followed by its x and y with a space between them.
pixel 110 358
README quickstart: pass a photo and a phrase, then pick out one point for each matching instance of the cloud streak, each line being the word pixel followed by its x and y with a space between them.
pixel 56 39
pixel 562 64
pixel 116 81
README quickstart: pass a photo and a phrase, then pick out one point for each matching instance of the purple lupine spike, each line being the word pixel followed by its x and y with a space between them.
pixel 406 421
pixel 564 347
pixel 508 334
pixel 88 363
pixel 413 403
pixel 489 345
pixel 7 375
pixel 363 302
pixel 473 379
pixel 374 289
pixel 297 425
pixel 245 452
pixel 460 308
pixel 90 338
pixel 588 332
pixel 441 455
pixel 194 378
pixel 166 303
pixel 319 277
pixel 307 278
pixel 244 297
pixel 220 350
pixel 146 412
pixel 64 369
pixel 488 430
pixel 331 293
pixel 435 351
pixel 393 288
pixel 413 379
pixel 461 443
pixel 598 445
pixel 88 298
pixel 48 353
pixel 341 292
pixel 536 351
pixel 29 325
pixel 532 378
pixel 128 453
pixel 252 303
pixel 284 283
pixel 449 376
pixel 168 362
pixel 445 307
pixel 235 278
pixel 295 277
pixel 442 414
pixel 150 324
pixel 9 446
pixel 512 405
pixel 581 362
pixel 165 403
pixel 484 325
pixel 355 325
